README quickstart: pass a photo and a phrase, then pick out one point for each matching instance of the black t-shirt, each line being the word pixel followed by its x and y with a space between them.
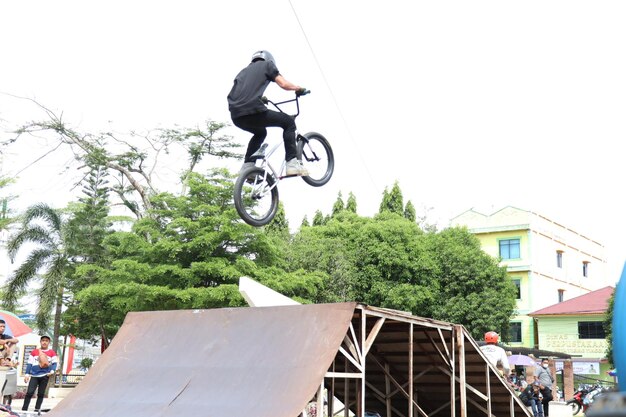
pixel 250 84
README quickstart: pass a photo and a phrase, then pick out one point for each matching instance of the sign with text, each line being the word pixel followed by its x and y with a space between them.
pixel 573 345
pixel 582 367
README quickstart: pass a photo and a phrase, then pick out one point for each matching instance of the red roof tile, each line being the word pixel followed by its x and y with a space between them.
pixel 595 302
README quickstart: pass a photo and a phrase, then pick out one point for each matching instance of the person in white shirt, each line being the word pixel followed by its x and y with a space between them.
pixel 495 354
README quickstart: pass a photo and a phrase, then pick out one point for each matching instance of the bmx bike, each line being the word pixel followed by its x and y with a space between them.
pixel 256 187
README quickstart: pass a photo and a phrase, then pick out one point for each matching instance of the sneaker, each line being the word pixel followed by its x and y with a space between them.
pixel 295 167
pixel 245 166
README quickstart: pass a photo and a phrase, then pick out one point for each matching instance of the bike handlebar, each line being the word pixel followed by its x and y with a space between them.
pixel 302 92
pixel 299 93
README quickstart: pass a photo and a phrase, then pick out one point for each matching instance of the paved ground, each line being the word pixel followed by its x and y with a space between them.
pixel 48 403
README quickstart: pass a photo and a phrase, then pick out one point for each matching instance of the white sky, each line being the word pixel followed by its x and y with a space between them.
pixel 466 103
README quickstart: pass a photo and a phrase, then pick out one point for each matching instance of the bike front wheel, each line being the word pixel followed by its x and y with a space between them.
pixel 317 157
pixel 256 196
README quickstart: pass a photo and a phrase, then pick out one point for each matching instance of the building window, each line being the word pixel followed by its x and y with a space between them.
pixel 518 288
pixel 585 269
pixel 515 332
pixel 561 293
pixel 591 330
pixel 509 249
pixel 559 259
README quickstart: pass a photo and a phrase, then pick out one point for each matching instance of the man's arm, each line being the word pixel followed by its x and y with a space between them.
pixel 29 366
pixel 54 361
pixel 286 85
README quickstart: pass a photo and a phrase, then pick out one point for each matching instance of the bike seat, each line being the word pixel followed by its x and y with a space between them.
pixel 260 154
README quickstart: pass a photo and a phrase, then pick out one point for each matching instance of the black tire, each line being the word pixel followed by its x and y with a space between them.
pixel 256 196
pixel 317 157
pixel 575 406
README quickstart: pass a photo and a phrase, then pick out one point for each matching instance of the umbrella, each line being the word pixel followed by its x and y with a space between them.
pixel 521 360
pixel 14 326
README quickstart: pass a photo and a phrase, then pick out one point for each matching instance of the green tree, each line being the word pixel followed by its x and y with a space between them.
pixel 86 231
pixel 351 203
pixel 5 213
pixel 318 218
pixel 86 363
pixel 326 248
pixel 608 328
pixel 339 205
pixel 137 155
pixel 474 289
pixel 392 200
pixel 279 224
pixel 409 212
pixel 389 261
pixel 41 226
pixel 188 253
pixel 305 222
pixel 89 224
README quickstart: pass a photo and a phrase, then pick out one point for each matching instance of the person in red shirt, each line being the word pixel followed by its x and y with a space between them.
pixel 41 364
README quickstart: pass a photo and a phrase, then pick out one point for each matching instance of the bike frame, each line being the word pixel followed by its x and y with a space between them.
pixel 265 155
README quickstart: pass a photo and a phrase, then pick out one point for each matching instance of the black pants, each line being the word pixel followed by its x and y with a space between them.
pixel 38 384
pixel 258 123
pixel 547 397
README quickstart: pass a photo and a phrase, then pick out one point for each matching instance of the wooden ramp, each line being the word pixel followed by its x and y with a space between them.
pixel 261 362
pixel 270 362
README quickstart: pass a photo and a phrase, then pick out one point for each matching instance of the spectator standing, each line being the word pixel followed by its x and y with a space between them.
pixel 41 364
pixel 544 378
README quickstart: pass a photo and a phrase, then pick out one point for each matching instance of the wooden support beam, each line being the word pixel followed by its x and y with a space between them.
pixel 354 375
pixel 356 340
pixel 387 391
pixel 468 386
pixel 441 407
pixel 432 342
pixel 346 390
pixel 443 342
pixel 410 376
pixel 453 374
pixel 331 395
pixel 372 336
pixel 396 412
pixel 480 407
pixel 320 400
pixel 351 359
pixel 488 382
pixel 460 344
pixel 361 408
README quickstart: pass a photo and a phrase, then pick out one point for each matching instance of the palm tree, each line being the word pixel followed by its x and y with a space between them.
pixel 43 227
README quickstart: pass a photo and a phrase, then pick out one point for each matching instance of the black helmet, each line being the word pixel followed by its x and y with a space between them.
pixel 264 55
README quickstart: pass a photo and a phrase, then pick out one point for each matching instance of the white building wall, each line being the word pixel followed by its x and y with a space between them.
pixel 540 240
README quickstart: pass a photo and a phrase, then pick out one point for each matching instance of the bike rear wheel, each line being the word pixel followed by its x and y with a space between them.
pixel 317 157
pixel 256 196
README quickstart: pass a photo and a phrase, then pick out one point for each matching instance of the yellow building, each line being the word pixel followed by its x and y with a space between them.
pixel 549 263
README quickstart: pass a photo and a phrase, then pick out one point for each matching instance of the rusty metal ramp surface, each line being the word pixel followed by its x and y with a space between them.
pixel 262 362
